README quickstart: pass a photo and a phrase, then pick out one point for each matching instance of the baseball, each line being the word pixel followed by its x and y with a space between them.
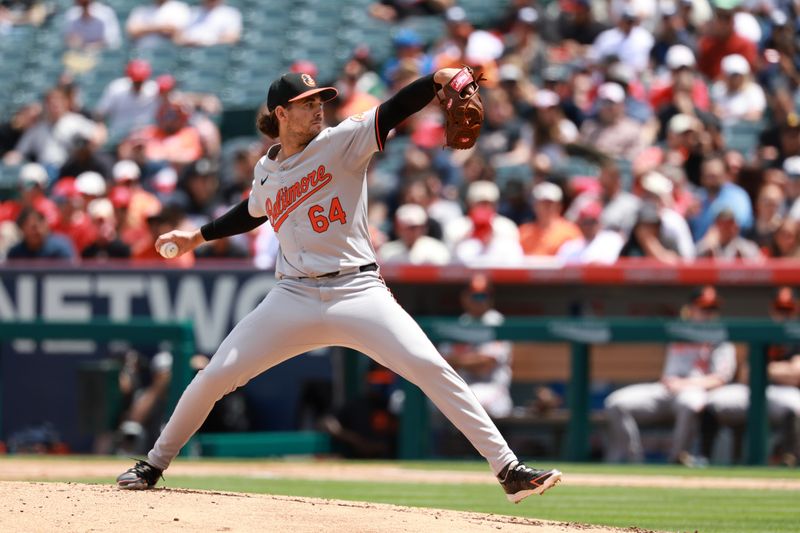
pixel 168 250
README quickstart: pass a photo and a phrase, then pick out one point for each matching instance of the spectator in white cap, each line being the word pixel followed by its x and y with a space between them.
pixel 736 96
pixel 546 234
pixel 611 132
pixel 412 244
pixel 657 189
pixel 482 196
pixel 628 41
pixel 91 185
pixel 32 186
pixel 106 244
pixel 724 242
pixel 33 175
pixel 551 129
pixel 686 144
pixel 683 90
pixel 142 203
pixel 635 92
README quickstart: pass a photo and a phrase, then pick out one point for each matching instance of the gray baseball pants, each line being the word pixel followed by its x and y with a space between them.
pixel 355 311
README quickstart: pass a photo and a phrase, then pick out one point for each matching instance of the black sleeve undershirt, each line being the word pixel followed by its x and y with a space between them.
pixel 402 105
pixel 237 220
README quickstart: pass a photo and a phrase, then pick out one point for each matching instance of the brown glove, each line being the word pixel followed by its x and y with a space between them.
pixel 462 108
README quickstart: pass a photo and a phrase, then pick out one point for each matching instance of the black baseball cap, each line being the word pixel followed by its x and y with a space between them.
pixel 705 297
pixel 293 86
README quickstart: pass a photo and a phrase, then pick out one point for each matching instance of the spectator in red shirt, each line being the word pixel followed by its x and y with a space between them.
pixel 722 40
pixel 681 63
pixel 72 197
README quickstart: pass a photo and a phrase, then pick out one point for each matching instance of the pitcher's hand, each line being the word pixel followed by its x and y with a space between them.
pixel 185 240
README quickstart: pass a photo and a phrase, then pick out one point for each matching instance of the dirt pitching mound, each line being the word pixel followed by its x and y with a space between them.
pixel 66 507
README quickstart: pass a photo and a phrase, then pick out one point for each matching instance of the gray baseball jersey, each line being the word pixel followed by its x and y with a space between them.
pixel 316 200
pixel 688 359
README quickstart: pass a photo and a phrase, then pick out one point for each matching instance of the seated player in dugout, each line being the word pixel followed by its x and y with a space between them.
pixel 728 405
pixel 691 371
pixel 143 385
pixel 312 188
pixel 485 366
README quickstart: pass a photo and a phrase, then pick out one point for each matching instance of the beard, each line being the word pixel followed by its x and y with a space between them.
pixel 306 135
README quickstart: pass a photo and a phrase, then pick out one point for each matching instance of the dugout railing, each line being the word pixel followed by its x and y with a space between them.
pixel 179 334
pixel 581 334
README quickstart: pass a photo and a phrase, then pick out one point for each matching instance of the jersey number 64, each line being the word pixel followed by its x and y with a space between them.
pixel 320 222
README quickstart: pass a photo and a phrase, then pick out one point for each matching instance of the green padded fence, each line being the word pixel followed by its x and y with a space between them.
pixel 260 444
pixel 581 333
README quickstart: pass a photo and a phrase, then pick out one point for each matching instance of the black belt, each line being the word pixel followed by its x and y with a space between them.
pixel 372 267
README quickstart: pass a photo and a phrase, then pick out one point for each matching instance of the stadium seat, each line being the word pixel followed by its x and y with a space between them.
pixel 429 29
pixel 9 178
pixel 482 13
pixel 742 136
pixel 577 166
pixel 521 173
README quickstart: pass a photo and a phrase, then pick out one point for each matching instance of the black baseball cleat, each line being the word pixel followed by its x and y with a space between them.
pixel 520 481
pixel 140 476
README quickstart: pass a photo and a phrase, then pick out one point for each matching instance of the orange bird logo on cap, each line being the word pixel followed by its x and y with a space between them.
pixel 308 80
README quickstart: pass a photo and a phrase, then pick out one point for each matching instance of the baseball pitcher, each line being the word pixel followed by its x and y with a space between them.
pixel 312 189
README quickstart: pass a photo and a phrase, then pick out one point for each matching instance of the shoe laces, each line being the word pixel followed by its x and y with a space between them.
pixel 145 469
pixel 519 468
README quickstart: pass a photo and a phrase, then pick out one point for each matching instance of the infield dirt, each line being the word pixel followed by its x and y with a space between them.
pixel 27 504
pixel 68 507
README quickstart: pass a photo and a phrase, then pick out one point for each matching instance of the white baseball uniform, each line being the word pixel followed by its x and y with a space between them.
pixel 316 201
pixel 654 402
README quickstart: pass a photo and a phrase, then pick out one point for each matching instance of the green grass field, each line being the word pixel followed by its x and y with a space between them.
pixel 737 509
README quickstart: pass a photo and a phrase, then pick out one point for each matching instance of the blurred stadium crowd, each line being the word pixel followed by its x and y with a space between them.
pixel 666 129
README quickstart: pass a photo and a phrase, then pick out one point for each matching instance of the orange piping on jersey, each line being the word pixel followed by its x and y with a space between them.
pixel 378 132
pixel 287 199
